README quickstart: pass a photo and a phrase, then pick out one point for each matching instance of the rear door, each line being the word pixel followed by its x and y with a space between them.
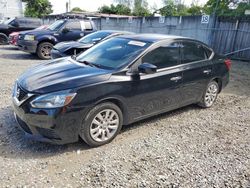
pixel 197 71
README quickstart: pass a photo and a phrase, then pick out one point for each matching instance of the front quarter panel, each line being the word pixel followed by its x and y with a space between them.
pixel 51 38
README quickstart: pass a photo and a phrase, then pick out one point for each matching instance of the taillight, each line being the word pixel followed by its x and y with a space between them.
pixel 228 63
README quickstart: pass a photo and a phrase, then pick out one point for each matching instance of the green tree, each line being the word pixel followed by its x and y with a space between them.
pixel 37 8
pixel 77 9
pixel 122 9
pixel 169 8
pixel 141 8
pixel 118 9
pixel 241 8
pixel 181 10
pixel 220 7
pixel 195 10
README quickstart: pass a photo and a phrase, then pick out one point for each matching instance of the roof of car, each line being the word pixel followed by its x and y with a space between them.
pixel 153 37
pixel 116 31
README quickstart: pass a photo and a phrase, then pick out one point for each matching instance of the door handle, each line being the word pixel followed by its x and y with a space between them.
pixel 176 78
pixel 207 71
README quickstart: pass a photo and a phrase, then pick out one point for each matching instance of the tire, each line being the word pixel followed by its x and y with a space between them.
pixel 44 50
pixel 210 95
pixel 102 124
pixel 3 39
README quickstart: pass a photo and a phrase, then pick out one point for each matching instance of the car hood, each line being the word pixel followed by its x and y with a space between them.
pixel 61 74
pixel 38 32
pixel 64 46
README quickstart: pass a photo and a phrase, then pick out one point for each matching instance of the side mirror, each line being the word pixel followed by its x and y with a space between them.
pixel 147 68
pixel 65 30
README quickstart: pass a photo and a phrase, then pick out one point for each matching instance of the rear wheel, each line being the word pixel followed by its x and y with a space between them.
pixel 210 95
pixel 102 124
pixel 44 50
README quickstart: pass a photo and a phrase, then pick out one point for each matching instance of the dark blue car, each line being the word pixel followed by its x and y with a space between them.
pixel 64 49
pixel 41 42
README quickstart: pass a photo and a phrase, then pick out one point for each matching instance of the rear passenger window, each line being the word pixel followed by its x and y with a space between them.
pixel 74 25
pixel 88 26
pixel 192 52
pixel 164 56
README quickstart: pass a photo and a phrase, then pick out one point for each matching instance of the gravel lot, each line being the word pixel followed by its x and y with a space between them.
pixel 189 147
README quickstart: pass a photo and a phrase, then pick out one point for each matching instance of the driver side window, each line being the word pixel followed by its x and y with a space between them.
pixel 164 56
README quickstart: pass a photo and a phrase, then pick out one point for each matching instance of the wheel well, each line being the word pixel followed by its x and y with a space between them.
pixel 120 105
pixel 218 80
pixel 45 41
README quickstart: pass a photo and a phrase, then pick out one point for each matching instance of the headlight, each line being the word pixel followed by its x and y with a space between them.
pixel 53 100
pixel 29 37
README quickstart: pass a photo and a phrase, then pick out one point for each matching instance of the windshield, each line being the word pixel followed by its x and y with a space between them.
pixel 56 25
pixel 94 37
pixel 7 22
pixel 113 53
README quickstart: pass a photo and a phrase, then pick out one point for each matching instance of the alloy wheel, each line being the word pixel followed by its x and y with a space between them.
pixel 45 50
pixel 211 94
pixel 104 125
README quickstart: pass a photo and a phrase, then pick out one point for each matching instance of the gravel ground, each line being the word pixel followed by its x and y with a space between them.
pixel 189 147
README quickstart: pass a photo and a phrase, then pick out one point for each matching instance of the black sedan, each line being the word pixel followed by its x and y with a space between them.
pixel 117 82
pixel 64 49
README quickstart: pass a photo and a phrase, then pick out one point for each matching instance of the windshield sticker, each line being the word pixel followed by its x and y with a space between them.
pixel 137 43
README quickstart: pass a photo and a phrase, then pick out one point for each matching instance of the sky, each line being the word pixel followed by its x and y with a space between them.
pixel 59 6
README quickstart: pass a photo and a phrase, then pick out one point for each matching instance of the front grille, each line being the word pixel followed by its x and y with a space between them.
pixel 20 93
pixel 23 125
pixel 48 133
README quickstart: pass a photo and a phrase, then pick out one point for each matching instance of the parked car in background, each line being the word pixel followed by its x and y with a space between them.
pixel 63 49
pixel 41 42
pixel 13 37
pixel 117 82
pixel 17 25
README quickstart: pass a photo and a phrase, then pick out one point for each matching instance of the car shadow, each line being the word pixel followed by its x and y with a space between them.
pixel 13 53
pixel 19 56
pixel 13 143
pixel 8 47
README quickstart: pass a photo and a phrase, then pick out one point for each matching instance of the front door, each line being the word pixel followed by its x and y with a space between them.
pixel 73 32
pixel 158 92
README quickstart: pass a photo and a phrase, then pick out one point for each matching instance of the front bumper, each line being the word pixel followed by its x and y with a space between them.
pixel 57 126
pixel 27 46
pixel 55 54
pixel 13 40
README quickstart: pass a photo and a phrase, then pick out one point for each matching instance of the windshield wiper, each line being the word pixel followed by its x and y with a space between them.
pixel 89 63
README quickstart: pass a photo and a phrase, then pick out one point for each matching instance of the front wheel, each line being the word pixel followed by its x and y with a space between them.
pixel 3 39
pixel 102 124
pixel 44 50
pixel 210 95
